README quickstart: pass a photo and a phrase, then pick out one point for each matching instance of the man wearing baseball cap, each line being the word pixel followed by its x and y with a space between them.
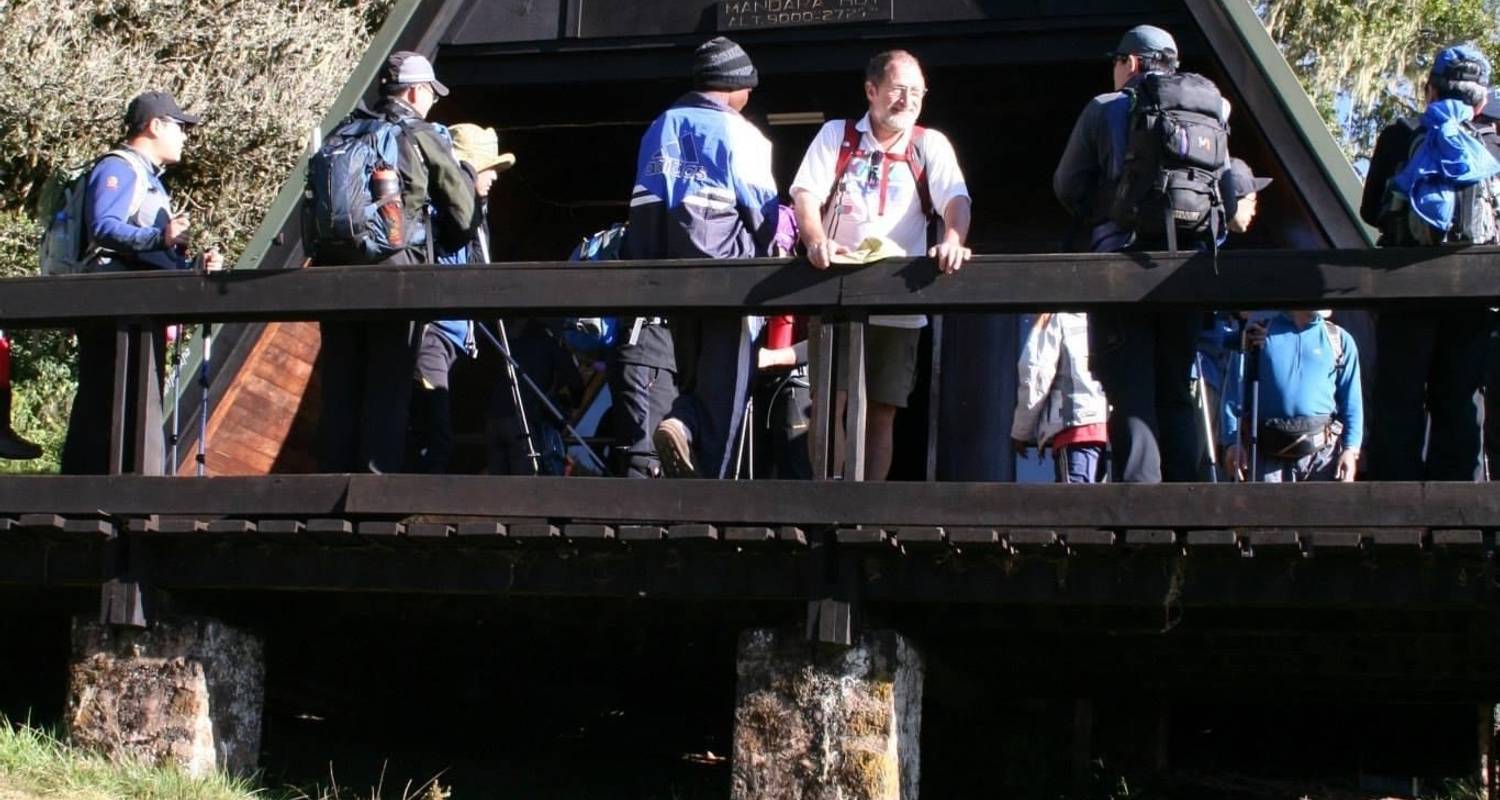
pixel 129 225
pixel 367 366
pixel 1431 364
pixel 703 189
pixel 1143 360
pixel 1239 187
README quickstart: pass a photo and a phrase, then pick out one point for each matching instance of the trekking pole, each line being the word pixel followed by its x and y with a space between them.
pixel 176 382
pixel 203 375
pixel 515 397
pixel 1208 423
pixel 510 369
pixel 1252 368
pixel 546 402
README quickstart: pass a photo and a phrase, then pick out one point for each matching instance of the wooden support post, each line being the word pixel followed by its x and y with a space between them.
pixel 145 397
pixel 934 395
pixel 820 350
pixel 856 407
pixel 123 597
pixel 120 401
pixel 830 621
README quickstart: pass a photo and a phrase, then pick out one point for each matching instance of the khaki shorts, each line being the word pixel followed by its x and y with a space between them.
pixel 890 364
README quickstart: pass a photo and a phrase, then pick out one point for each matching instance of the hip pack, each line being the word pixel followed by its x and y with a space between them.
pixel 1296 437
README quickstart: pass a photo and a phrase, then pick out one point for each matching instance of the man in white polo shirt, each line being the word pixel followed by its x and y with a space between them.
pixel 884 176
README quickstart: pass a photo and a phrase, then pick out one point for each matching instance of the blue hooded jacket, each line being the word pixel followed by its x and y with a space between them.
pixel 1448 159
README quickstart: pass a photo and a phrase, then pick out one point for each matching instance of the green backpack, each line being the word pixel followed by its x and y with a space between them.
pixel 64 247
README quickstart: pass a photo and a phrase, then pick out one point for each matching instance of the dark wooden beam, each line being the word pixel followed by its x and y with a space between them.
pixel 1233 279
pixel 828 504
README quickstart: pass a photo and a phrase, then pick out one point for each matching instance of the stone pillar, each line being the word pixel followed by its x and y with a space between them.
pixel 185 691
pixel 814 722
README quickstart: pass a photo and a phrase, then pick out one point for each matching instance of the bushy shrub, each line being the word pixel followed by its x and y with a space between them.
pixel 262 72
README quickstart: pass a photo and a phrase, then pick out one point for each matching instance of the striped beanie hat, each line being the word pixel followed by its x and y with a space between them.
pixel 720 63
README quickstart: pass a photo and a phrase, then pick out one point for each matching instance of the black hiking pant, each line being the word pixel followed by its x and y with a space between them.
pixel 366 371
pixel 642 389
pixel 1144 362
pixel 1431 366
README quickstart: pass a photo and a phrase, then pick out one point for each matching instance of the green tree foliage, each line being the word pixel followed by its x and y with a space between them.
pixel 1373 54
pixel 261 72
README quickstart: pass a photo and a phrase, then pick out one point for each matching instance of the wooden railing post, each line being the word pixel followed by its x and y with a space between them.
pixel 820 337
pixel 856 407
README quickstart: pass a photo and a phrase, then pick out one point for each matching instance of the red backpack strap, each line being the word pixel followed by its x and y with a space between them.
pixel 916 161
pixel 847 148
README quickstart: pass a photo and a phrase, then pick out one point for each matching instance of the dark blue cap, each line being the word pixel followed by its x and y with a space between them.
pixel 1145 40
pixel 1462 62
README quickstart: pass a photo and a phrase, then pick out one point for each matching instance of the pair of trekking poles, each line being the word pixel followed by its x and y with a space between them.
pixel 174 384
pixel 513 371
pixel 1252 377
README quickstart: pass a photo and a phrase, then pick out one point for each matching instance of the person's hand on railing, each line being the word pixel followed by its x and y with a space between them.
pixel 821 253
pixel 950 254
pixel 213 260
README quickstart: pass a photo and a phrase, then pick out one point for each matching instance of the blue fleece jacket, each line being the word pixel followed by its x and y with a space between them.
pixel 127 221
pixel 1298 379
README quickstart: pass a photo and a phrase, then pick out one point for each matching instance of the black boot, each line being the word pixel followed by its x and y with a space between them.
pixel 12 446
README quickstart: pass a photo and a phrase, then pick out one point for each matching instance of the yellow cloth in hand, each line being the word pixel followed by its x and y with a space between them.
pixel 872 249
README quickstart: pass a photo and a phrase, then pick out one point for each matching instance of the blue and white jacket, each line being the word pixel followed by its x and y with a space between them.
pixel 703 185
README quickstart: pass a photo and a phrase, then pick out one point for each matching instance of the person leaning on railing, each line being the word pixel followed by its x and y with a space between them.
pixel 130 226
pixel 883 177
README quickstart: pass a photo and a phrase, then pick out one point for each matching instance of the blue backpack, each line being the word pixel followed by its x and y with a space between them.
pixel 343 222
pixel 595 335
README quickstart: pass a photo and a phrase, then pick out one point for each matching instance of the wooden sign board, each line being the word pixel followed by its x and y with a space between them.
pixel 749 14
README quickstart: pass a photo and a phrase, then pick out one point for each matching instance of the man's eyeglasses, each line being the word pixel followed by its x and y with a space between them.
pixel 911 92
pixel 872 180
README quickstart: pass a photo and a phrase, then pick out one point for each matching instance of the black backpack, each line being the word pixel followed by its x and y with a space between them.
pixel 1177 146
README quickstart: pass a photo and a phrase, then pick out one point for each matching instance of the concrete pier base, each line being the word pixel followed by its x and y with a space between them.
pixel 814 722
pixel 185 691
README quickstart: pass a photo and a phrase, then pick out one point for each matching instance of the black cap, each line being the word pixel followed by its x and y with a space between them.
pixel 147 106
pixel 1239 180
pixel 405 68
pixel 720 63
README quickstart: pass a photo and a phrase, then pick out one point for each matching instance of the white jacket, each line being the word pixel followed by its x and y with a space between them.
pixel 1055 389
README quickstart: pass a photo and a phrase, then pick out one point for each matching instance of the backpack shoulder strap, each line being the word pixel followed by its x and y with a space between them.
pixel 137 165
pixel 847 148
pixel 1335 336
pixel 916 160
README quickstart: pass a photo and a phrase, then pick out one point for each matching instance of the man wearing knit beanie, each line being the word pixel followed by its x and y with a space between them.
pixel 720 63
pixel 703 189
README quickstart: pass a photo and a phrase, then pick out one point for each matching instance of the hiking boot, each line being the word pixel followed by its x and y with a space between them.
pixel 674 448
pixel 12 446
